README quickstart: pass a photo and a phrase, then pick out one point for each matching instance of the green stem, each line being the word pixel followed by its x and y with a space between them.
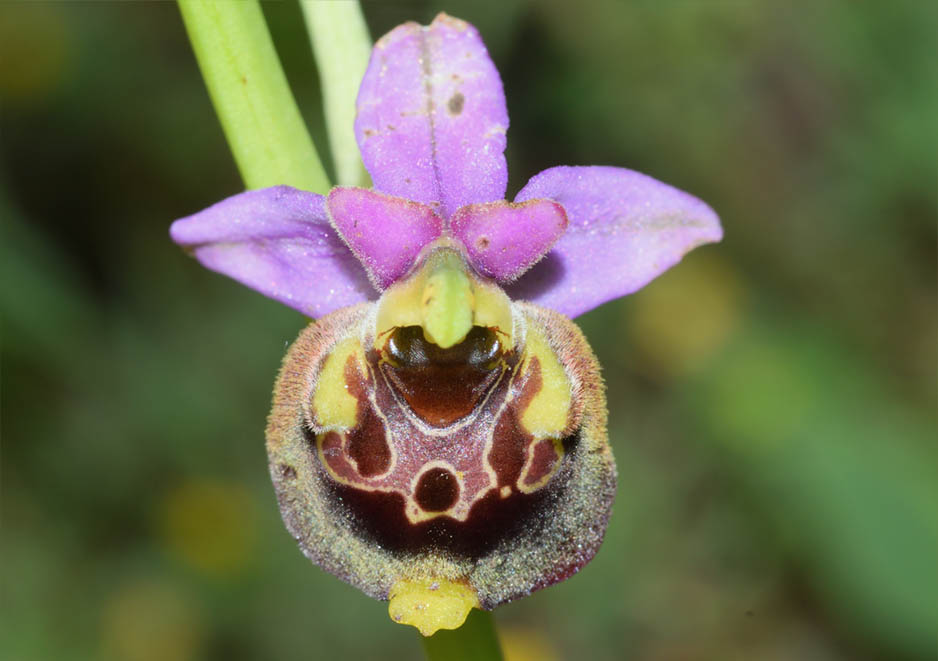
pixel 476 640
pixel 257 111
pixel 341 45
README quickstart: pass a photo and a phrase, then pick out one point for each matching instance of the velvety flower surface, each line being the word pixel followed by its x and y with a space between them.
pixel 435 440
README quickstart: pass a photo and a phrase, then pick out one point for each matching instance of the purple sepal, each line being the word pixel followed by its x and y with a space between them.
pixel 504 240
pixel 385 233
pixel 431 117
pixel 625 228
pixel 278 241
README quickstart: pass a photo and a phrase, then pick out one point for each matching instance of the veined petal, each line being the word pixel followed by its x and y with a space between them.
pixel 278 241
pixel 386 233
pixel 504 239
pixel 432 118
pixel 625 229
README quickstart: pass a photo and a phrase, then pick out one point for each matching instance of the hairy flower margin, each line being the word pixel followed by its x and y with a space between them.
pixel 433 440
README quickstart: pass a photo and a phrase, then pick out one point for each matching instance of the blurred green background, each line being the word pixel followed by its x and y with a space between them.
pixel 773 398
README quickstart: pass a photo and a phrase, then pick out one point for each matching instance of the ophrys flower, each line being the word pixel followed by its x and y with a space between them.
pixel 434 438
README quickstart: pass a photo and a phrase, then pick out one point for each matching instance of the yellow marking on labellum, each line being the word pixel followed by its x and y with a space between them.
pixel 546 414
pixel 334 407
pixel 431 604
pixel 445 299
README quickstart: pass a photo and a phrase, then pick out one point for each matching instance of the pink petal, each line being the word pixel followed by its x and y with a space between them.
pixel 625 229
pixel 431 116
pixel 385 233
pixel 504 239
pixel 278 241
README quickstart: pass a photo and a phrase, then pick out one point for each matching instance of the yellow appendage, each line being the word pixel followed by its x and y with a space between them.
pixel 431 605
pixel 446 303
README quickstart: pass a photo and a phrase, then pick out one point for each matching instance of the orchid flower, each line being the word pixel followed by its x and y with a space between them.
pixel 438 436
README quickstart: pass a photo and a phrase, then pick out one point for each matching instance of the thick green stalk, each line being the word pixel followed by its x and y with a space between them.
pixel 258 113
pixel 476 640
pixel 341 46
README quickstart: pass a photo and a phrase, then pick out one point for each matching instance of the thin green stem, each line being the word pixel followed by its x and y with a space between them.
pixel 476 640
pixel 247 85
pixel 341 46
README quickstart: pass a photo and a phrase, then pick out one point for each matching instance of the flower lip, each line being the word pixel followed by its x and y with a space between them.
pixel 511 500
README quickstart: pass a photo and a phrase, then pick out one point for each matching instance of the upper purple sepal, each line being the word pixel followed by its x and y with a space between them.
pixel 431 117
pixel 386 233
pixel 503 240
pixel 278 241
pixel 625 229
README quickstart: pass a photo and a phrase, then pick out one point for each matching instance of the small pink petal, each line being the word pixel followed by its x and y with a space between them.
pixel 505 239
pixel 386 233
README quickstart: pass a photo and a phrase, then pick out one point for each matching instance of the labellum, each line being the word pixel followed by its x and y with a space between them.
pixel 443 446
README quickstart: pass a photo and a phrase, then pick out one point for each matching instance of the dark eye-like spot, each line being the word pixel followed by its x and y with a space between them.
pixel 456 103
pixel 437 490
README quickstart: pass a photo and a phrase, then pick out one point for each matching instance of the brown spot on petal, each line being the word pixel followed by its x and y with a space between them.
pixel 456 103
pixel 437 490
pixel 482 243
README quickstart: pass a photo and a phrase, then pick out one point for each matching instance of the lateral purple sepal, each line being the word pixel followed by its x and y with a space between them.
pixel 625 229
pixel 432 118
pixel 279 242
pixel 386 233
pixel 503 239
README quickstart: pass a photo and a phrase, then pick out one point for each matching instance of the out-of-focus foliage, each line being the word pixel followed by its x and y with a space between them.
pixel 772 398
